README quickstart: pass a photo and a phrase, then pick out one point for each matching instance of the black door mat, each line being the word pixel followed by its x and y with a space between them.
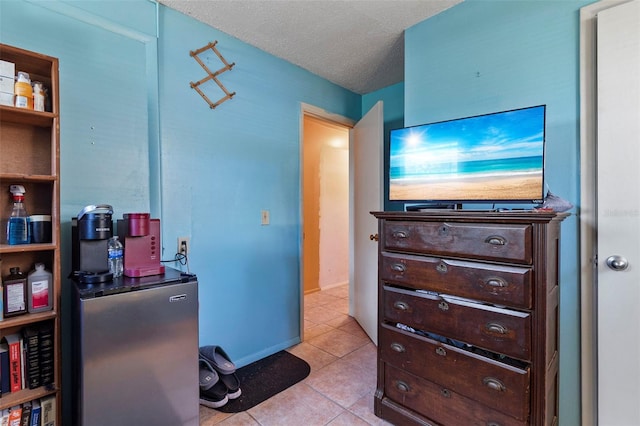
pixel 264 378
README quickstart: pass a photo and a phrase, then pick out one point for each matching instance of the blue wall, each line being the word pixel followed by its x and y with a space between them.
pixel 484 56
pixel 221 167
pixel 135 135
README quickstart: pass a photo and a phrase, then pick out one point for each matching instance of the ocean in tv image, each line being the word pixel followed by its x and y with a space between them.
pixel 496 156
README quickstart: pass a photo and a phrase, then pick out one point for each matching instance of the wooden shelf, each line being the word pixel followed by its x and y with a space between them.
pixel 26 116
pixel 30 156
pixel 22 248
pixel 28 178
pixel 26 319
pixel 26 395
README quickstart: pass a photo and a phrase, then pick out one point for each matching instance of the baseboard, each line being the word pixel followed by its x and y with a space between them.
pixel 241 362
pixel 330 286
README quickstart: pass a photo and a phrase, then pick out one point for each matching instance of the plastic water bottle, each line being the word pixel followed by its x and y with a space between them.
pixel 18 223
pixel 116 265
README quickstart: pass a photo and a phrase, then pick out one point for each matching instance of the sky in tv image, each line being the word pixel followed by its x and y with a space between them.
pixel 483 150
pixel 450 146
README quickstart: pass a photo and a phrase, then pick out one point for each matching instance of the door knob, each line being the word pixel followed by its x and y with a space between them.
pixel 617 263
pixel 373 237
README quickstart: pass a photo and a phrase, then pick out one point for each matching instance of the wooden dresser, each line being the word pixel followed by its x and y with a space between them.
pixel 468 318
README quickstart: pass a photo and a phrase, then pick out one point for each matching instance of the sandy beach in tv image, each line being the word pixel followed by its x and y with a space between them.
pixel 490 157
pixel 515 187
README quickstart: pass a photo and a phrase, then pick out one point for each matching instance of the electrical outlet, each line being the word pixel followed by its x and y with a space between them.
pixel 183 245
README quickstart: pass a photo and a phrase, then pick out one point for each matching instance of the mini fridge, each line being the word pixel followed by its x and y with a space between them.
pixel 135 350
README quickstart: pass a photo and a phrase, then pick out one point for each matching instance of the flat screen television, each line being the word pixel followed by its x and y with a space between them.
pixel 491 158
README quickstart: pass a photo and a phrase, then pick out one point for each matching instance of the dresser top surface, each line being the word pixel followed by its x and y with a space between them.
pixel 474 215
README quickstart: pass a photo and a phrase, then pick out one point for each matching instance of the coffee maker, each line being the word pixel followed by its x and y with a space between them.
pixel 140 237
pixel 90 232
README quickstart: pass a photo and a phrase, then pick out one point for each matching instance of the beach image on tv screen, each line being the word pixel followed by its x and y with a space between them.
pixel 490 157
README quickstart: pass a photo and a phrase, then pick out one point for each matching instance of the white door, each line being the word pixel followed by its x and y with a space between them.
pixel 365 181
pixel 618 207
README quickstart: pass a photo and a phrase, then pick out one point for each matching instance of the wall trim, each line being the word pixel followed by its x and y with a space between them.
pixel 308 109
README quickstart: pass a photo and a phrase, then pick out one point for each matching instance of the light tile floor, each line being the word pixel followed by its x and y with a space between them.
pixel 340 388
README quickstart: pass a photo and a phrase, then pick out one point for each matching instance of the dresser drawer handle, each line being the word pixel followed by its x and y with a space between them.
pixel 399 234
pixel 398 267
pixel 397 347
pixel 441 351
pixel 496 328
pixel 494 384
pixel 442 268
pixel 496 282
pixel 401 306
pixel 496 240
pixel 402 386
pixel 444 306
pixel 446 393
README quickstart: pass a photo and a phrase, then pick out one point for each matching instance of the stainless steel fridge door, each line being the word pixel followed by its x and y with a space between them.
pixel 139 357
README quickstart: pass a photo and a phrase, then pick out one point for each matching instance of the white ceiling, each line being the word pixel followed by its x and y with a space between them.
pixel 357 44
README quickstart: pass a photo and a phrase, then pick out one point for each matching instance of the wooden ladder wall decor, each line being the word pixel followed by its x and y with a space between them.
pixel 212 75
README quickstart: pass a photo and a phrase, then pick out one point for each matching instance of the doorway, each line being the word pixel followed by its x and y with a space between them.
pixel 310 262
pixel 325 206
pixel 365 174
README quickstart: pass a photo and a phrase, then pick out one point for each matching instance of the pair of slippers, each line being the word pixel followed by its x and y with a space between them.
pixel 218 380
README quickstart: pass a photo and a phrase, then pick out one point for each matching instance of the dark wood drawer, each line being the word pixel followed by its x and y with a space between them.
pixel 495 329
pixel 480 241
pixel 500 386
pixel 440 403
pixel 503 285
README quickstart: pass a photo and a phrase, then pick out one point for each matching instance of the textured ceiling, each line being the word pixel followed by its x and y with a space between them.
pixel 357 44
